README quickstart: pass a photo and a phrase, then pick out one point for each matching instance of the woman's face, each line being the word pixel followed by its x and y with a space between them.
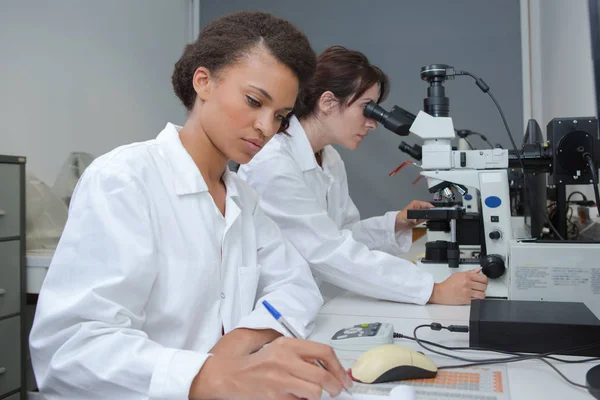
pixel 348 125
pixel 242 107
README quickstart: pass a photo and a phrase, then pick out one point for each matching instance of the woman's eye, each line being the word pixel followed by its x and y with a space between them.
pixel 280 117
pixel 252 102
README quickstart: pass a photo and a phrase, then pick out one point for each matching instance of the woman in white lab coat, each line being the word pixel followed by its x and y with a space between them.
pixel 303 186
pixel 151 291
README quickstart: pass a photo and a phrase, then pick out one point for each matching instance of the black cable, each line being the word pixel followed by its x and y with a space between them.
pixel 540 358
pixel 590 162
pixel 491 360
pixel 484 139
pixel 486 89
pixel 469 143
pixel 464 133
pixel 474 348
pixel 516 356
pixel 577 192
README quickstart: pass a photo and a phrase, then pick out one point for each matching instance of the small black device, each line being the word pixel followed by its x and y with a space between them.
pixel 571 139
pixel 575 145
pixel 534 327
pixel 436 103
pixel 592 381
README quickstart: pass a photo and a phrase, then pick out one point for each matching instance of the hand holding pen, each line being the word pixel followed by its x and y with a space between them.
pixel 283 370
pixel 292 331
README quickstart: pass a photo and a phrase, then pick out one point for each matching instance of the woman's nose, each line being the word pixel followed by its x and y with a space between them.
pixel 371 124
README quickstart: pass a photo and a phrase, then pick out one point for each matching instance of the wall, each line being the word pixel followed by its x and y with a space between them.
pixel 561 31
pixel 561 63
pixel 86 75
pixel 482 37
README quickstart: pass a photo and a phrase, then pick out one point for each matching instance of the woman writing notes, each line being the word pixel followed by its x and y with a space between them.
pixel 151 292
pixel 303 187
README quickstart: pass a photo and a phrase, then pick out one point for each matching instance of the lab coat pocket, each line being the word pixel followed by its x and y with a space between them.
pixel 248 277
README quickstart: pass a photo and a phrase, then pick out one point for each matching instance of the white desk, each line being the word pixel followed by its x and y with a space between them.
pixel 527 380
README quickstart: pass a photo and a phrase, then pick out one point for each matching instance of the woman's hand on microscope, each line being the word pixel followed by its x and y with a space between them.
pixel 460 288
pixel 403 223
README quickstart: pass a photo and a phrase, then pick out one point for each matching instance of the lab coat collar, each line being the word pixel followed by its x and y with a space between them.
pixel 186 175
pixel 301 149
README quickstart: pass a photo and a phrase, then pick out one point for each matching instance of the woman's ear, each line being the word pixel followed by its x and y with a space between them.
pixel 203 82
pixel 327 102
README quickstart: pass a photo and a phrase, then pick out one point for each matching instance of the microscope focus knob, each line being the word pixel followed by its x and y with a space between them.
pixel 492 266
pixel 495 235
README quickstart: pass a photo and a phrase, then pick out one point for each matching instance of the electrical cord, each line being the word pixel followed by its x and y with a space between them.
pixel 579 193
pixel 572 228
pixel 590 163
pixel 486 89
pixel 474 348
pixel 464 133
pixel 483 138
pixel 469 143
pixel 515 356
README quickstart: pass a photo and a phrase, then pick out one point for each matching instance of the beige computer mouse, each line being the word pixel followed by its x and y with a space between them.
pixel 389 363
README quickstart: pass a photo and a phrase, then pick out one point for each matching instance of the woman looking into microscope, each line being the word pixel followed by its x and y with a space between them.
pixel 303 186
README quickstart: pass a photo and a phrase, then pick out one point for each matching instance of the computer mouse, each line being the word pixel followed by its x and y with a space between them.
pixel 592 379
pixel 390 363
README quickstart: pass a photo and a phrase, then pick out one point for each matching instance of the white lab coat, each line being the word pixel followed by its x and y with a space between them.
pixel 313 208
pixel 142 283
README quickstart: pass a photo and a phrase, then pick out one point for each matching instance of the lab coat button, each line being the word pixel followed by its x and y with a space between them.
pixel 222 295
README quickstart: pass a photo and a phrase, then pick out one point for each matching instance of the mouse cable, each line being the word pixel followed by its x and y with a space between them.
pixel 459 348
pixel 475 362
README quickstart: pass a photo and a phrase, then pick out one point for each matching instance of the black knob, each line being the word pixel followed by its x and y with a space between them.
pixel 492 266
pixel 495 235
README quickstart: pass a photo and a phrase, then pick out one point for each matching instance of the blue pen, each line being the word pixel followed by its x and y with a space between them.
pixel 279 318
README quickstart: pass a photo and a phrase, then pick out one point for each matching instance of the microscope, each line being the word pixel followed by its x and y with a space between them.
pixel 517 268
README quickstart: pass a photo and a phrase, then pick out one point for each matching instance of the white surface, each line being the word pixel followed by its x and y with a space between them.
pixel 87 75
pixel 526 380
pixel 371 309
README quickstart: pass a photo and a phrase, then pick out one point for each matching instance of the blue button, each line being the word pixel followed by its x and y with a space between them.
pixel 468 197
pixel 493 201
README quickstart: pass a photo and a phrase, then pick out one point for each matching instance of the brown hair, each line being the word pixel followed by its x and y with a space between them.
pixel 345 73
pixel 225 40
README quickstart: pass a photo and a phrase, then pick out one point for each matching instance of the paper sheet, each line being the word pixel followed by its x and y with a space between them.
pixel 475 383
pixel 372 392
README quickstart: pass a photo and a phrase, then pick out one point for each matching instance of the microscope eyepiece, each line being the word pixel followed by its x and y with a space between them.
pixel 415 151
pixel 376 112
pixel 396 120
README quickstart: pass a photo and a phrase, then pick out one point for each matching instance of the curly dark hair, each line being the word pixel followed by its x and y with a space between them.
pixel 346 73
pixel 225 40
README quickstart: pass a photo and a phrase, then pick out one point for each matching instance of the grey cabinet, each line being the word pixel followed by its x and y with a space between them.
pixel 10 355
pixel 12 278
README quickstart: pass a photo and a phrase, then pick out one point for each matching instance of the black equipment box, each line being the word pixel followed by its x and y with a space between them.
pixel 534 327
